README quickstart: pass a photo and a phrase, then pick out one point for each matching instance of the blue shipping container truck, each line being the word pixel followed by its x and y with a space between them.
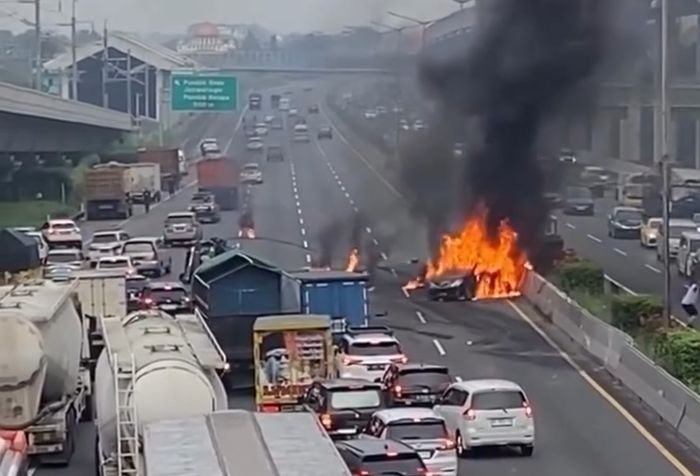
pixel 339 294
pixel 232 290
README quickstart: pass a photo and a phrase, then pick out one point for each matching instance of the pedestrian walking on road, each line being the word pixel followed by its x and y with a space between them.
pixel 147 200
pixel 689 301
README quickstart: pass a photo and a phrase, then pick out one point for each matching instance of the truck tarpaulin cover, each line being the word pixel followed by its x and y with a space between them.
pixel 13 453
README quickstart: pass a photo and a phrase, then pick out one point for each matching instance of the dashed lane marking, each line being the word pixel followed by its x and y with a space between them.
pixel 570 225
pixel 420 317
pixel 405 293
pixel 308 258
pixel 604 394
pixel 652 268
pixel 620 252
pixel 384 256
pixel 594 238
pixel 439 347
pixel 305 244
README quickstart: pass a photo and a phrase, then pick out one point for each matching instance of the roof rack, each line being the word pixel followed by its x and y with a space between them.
pixel 357 330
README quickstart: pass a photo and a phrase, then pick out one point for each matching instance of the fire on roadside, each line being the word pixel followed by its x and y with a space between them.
pixel 247 233
pixel 497 264
pixel 353 260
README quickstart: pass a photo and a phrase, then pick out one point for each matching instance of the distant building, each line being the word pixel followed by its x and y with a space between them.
pixel 213 38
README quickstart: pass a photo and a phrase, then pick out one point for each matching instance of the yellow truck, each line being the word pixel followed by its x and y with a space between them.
pixel 290 352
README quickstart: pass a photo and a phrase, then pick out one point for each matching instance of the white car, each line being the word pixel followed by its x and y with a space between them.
pixel 370 114
pixel 420 428
pixel 122 263
pixel 62 233
pixel 301 137
pixel 293 112
pixel 269 118
pixel 301 129
pixel 261 129
pixel 404 125
pixel 106 243
pixel 488 412
pixel 71 258
pixel 687 252
pixel 255 144
pixel 418 125
pixel 366 353
pixel 251 173
pixel 649 233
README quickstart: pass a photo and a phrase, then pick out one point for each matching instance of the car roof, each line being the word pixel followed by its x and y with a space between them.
pixel 181 215
pixel 59 221
pixel 626 209
pixel 65 251
pixel 420 366
pixel 485 385
pixel 251 165
pixel 368 338
pixel 375 447
pixel 107 232
pixel 389 415
pixel 115 258
pixel 138 239
pixel 693 235
pixel 347 383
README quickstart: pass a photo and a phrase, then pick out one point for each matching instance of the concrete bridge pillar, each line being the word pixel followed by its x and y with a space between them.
pixel 631 134
pixel 601 139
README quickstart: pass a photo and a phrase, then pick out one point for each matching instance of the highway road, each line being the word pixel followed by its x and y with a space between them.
pixel 327 185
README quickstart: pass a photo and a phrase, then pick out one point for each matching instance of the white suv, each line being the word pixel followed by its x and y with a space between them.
pixel 366 352
pixel 488 413
pixel 106 243
pixel 420 428
pixel 62 233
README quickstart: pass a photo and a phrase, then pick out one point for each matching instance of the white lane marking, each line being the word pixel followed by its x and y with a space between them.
pixel 393 271
pixel 303 232
pixel 356 210
pixel 362 157
pixel 594 238
pixel 652 268
pixel 369 230
pixel 620 252
pixel 301 221
pixel 569 225
pixel 405 293
pixel 351 201
pixel 375 241
pixel 384 256
pixel 420 317
pixel 308 258
pixel 298 204
pixel 305 244
pixel 604 394
pixel 238 126
pixel 439 347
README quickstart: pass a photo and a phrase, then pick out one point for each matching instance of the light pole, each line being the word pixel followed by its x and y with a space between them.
pixel 665 160
pixel 424 24
pixel 74 48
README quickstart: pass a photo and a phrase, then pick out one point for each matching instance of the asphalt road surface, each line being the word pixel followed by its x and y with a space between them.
pixel 325 189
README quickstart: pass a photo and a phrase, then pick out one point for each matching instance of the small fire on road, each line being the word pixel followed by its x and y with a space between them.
pixel 497 264
pixel 353 260
pixel 247 233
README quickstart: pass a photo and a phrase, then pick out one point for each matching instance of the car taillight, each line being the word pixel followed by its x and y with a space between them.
pixel 326 421
pixel 470 414
pixel 147 301
pixel 350 361
pixel 447 444
pixel 362 472
pixel 399 360
pixel 398 390
pixel 528 411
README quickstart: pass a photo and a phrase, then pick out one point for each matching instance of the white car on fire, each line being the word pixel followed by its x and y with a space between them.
pixel 366 352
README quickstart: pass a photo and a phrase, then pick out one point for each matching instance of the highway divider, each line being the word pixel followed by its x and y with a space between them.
pixel 674 402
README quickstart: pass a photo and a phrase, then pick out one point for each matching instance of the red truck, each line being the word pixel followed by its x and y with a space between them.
pixel 169 162
pixel 220 176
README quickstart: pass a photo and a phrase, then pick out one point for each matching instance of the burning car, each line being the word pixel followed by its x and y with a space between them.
pixel 452 287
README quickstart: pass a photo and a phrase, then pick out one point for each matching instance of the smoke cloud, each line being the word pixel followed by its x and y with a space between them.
pixel 529 58
pixel 338 237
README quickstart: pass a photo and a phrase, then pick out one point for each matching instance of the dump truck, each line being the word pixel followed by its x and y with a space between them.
pixel 155 367
pixel 142 178
pixel 220 176
pixel 106 192
pixel 169 161
pixel 46 387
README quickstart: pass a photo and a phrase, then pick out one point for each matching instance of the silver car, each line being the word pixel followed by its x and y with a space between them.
pixel 146 257
pixel 420 428
pixel 105 243
pixel 181 228
pixel 71 258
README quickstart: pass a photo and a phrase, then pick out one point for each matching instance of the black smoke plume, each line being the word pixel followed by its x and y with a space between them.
pixel 527 59
pixel 338 237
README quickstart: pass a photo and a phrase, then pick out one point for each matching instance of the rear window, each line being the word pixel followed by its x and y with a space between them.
pixel 136 284
pixel 179 220
pixel 116 264
pixel 63 226
pixel 251 168
pixel 344 399
pixel 138 248
pixel 405 464
pixel 498 400
pixel 374 348
pixel 428 430
pixel 172 294
pixel 432 378
pixel 101 239
pixel 64 257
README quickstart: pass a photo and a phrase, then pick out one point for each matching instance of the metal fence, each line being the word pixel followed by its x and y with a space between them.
pixel 669 398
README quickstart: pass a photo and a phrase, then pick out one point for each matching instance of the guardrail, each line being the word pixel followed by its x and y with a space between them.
pixel 668 397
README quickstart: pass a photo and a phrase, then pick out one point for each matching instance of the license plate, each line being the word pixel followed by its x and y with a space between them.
pixel 502 422
pixel 423 398
pixel 168 307
pixel 424 454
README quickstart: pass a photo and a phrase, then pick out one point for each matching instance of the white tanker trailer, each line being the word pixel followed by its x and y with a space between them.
pixel 153 367
pixel 44 379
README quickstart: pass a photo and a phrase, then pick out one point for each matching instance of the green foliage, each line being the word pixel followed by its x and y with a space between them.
pixel 31 213
pixel 583 276
pixel 677 350
pixel 632 313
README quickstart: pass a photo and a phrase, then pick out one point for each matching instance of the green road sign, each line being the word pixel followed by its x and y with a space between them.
pixel 193 92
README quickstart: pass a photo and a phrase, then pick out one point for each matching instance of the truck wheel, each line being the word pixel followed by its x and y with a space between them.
pixel 87 411
pixel 63 458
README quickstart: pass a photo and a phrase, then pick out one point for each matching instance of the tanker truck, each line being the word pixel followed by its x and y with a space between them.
pixel 45 373
pixel 153 367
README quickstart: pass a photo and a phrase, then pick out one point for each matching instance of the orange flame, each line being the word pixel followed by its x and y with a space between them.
pixel 497 264
pixel 353 260
pixel 247 233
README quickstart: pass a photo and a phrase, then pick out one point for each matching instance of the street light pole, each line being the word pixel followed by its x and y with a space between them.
pixel 74 53
pixel 424 24
pixel 37 34
pixel 665 161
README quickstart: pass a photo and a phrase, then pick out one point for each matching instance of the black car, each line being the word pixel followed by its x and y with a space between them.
pixel 135 284
pixel 625 222
pixel 579 201
pixel 325 132
pixel 205 208
pixel 376 456
pixel 275 153
pixel 313 109
pixel 452 287
pixel 414 384
pixel 169 297
pixel 344 406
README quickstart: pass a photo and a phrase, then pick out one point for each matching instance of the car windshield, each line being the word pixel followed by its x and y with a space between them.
pixel 63 226
pixel 498 400
pixel 366 398
pixel 405 464
pixel 578 192
pixel 174 294
pixel 251 168
pixel 138 247
pixel 416 430
pixel 179 220
pixel 655 224
pixel 64 257
pixel 629 215
pixel 433 378
pixel 113 264
pixel 201 198
pixel 677 231
pixel 374 348
pixel 102 239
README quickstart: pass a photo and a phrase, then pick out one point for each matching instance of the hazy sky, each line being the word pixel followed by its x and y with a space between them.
pixel 283 16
